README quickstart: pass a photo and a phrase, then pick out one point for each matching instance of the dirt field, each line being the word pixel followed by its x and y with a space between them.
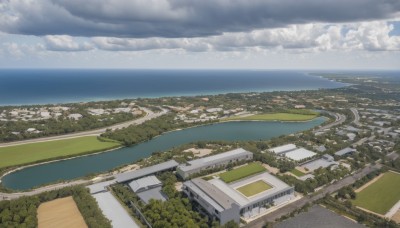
pixel 199 152
pixel 396 217
pixel 60 213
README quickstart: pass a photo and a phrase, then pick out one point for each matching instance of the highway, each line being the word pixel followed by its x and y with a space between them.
pixel 339 119
pixel 149 115
pixel 356 116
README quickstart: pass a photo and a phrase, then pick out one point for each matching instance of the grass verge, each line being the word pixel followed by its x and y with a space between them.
pixel 242 172
pixel 297 172
pixel 254 188
pixel 280 116
pixel 42 151
pixel 380 196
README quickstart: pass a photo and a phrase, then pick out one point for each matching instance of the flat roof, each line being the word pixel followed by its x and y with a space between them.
pixel 127 176
pixel 243 201
pixel 100 187
pixel 154 193
pixel 114 211
pixel 283 149
pixel 198 163
pixel 313 165
pixel 344 151
pixel 144 182
pixel 300 154
pixel 198 188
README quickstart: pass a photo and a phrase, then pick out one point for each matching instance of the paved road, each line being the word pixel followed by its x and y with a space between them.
pixel 309 199
pixel 356 116
pixel 149 115
pixel 8 196
pixel 339 119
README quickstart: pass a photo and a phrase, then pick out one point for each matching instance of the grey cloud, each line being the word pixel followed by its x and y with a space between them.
pixel 180 18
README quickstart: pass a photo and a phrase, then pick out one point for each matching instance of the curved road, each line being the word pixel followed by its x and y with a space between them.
pixel 339 119
pixel 149 115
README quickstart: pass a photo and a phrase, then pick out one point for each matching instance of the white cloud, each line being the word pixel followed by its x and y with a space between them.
pixel 65 43
pixel 370 36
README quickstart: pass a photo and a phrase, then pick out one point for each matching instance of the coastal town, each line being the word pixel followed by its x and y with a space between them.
pixel 333 166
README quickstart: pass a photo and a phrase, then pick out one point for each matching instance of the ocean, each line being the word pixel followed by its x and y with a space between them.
pixel 44 86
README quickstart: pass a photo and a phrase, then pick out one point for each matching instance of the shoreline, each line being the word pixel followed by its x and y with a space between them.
pixel 56 160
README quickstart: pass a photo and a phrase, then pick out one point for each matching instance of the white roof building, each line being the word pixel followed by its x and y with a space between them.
pixel 299 154
pixel 145 183
pixel 283 149
pixel 75 116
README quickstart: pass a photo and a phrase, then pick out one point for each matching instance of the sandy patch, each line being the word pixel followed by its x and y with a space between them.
pixel 129 168
pixel 302 169
pixel 271 169
pixel 178 186
pixel 199 152
pixel 60 213
pixel 369 183
pixel 396 216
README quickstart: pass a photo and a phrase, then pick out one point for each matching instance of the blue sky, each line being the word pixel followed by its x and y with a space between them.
pixel 261 34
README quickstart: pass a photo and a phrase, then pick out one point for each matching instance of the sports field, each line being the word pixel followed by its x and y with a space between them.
pixel 254 188
pixel 61 213
pixel 297 173
pixel 380 196
pixel 280 116
pixel 32 152
pixel 242 172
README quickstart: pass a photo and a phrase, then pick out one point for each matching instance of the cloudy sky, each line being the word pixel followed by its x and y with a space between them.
pixel 262 34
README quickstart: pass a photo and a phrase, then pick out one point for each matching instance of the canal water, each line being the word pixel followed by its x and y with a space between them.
pixel 81 166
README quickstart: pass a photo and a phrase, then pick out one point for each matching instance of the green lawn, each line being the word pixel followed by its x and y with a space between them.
pixel 254 188
pixel 380 196
pixel 297 173
pixel 32 152
pixel 280 116
pixel 242 172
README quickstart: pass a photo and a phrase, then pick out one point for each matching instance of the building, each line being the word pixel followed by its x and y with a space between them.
pixel 299 154
pixel 325 161
pixel 146 171
pixel 223 202
pixel 345 151
pixel 211 162
pixel 147 188
pixel 283 149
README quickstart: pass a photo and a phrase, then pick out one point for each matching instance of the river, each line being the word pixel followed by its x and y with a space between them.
pixel 78 167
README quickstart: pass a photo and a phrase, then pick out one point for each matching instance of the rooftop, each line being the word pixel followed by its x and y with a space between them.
pixel 283 149
pixel 198 163
pixel 127 176
pixel 344 151
pixel 300 154
pixel 230 189
pixel 144 183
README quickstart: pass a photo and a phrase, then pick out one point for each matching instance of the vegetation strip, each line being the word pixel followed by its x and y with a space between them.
pixel 280 116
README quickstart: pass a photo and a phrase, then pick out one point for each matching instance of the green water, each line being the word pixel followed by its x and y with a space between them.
pixel 81 166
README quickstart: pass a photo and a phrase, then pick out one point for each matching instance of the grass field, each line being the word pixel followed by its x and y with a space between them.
pixel 380 196
pixel 32 152
pixel 242 172
pixel 297 173
pixel 254 188
pixel 60 213
pixel 281 116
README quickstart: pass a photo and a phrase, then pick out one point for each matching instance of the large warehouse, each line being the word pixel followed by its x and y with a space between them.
pixel 227 201
pixel 219 160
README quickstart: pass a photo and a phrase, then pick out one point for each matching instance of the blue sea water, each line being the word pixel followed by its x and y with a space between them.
pixel 39 86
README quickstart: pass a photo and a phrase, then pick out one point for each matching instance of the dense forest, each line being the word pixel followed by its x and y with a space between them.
pixel 22 212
